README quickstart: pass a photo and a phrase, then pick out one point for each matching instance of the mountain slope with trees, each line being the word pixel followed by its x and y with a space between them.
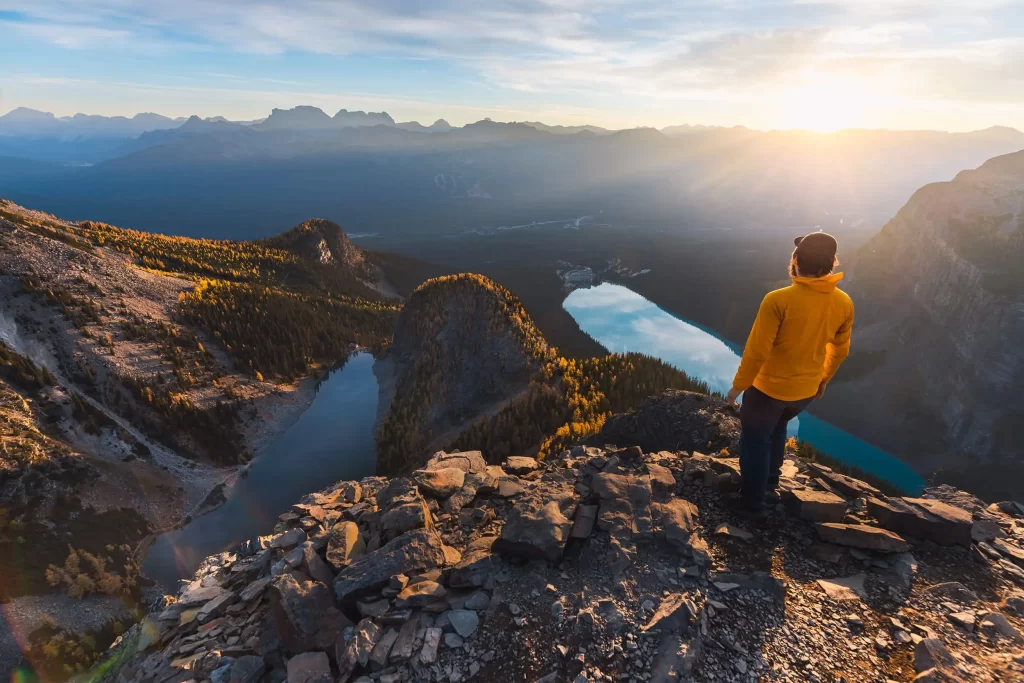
pixel 472 370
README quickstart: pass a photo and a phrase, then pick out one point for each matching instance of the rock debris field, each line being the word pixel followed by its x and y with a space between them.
pixel 604 564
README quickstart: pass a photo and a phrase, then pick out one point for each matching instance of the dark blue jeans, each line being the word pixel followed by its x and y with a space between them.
pixel 763 441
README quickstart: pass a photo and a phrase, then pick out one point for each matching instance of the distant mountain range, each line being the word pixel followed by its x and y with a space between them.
pixel 392 179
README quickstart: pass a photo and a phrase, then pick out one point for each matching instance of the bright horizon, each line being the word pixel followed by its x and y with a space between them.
pixel 817 65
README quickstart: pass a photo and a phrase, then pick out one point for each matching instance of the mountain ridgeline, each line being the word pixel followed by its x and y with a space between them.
pixel 404 180
pixel 937 369
pixel 471 368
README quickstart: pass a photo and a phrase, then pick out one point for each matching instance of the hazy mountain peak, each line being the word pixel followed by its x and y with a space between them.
pixel 300 117
pixel 344 117
pixel 440 124
pixel 24 114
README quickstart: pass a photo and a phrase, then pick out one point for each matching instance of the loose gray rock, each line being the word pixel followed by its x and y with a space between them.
pixel 310 667
pixel 465 622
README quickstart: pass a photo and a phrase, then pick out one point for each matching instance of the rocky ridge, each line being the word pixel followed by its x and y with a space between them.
pixel 603 564
pixel 324 242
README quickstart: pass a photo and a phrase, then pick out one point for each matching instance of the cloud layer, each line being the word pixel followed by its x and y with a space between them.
pixel 929 53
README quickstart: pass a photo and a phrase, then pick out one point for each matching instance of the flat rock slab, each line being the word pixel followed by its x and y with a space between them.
pixel 854 488
pixel 410 553
pixel 844 589
pixel 817 506
pixel 862 536
pixel 923 518
pixel 625 507
pixel 1014 553
pixel 520 465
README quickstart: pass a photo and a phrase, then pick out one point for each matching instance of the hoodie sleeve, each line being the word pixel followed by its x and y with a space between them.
pixel 759 344
pixel 839 348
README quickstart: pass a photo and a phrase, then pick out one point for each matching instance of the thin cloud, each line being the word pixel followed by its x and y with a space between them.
pixel 932 52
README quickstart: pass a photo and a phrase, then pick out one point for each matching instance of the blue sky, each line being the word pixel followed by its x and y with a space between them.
pixel 760 63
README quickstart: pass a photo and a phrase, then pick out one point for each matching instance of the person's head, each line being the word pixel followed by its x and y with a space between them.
pixel 814 256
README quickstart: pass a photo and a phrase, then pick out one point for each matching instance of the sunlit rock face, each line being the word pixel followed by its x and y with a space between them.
pixel 940 315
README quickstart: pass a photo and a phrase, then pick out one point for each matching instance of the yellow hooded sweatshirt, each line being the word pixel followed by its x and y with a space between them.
pixel 799 339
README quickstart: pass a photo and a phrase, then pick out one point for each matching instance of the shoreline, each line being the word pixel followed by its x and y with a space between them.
pixel 287 404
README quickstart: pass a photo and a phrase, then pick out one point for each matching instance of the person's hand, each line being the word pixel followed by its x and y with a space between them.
pixel 821 391
pixel 731 397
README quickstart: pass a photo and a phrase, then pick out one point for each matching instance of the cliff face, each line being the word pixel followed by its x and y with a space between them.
pixel 463 346
pixel 937 365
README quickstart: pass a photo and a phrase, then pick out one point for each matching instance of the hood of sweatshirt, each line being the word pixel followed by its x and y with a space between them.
pixel 821 284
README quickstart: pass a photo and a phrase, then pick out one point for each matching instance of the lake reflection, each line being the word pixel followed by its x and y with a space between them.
pixel 331 441
pixel 622 321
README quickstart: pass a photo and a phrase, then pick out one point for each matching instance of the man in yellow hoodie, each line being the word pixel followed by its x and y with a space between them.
pixel 799 339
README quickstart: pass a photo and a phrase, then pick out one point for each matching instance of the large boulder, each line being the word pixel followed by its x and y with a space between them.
pixel 468 461
pixel 412 552
pixel 402 509
pixel 344 544
pixel 663 483
pixel 675 523
pixel 538 525
pixel 304 614
pixel 440 483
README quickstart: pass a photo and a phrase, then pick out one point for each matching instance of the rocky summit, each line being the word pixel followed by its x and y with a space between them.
pixel 602 564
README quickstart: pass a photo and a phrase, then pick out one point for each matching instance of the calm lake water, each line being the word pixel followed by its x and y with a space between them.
pixel 331 441
pixel 622 321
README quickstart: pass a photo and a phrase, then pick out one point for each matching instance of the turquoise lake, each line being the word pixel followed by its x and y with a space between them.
pixel 623 321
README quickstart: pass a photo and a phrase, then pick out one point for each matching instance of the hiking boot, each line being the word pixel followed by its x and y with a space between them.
pixel 772 498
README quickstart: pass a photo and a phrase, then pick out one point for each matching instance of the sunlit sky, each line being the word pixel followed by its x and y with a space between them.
pixel 820 64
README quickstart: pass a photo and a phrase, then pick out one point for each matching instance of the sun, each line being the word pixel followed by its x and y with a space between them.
pixel 826 105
